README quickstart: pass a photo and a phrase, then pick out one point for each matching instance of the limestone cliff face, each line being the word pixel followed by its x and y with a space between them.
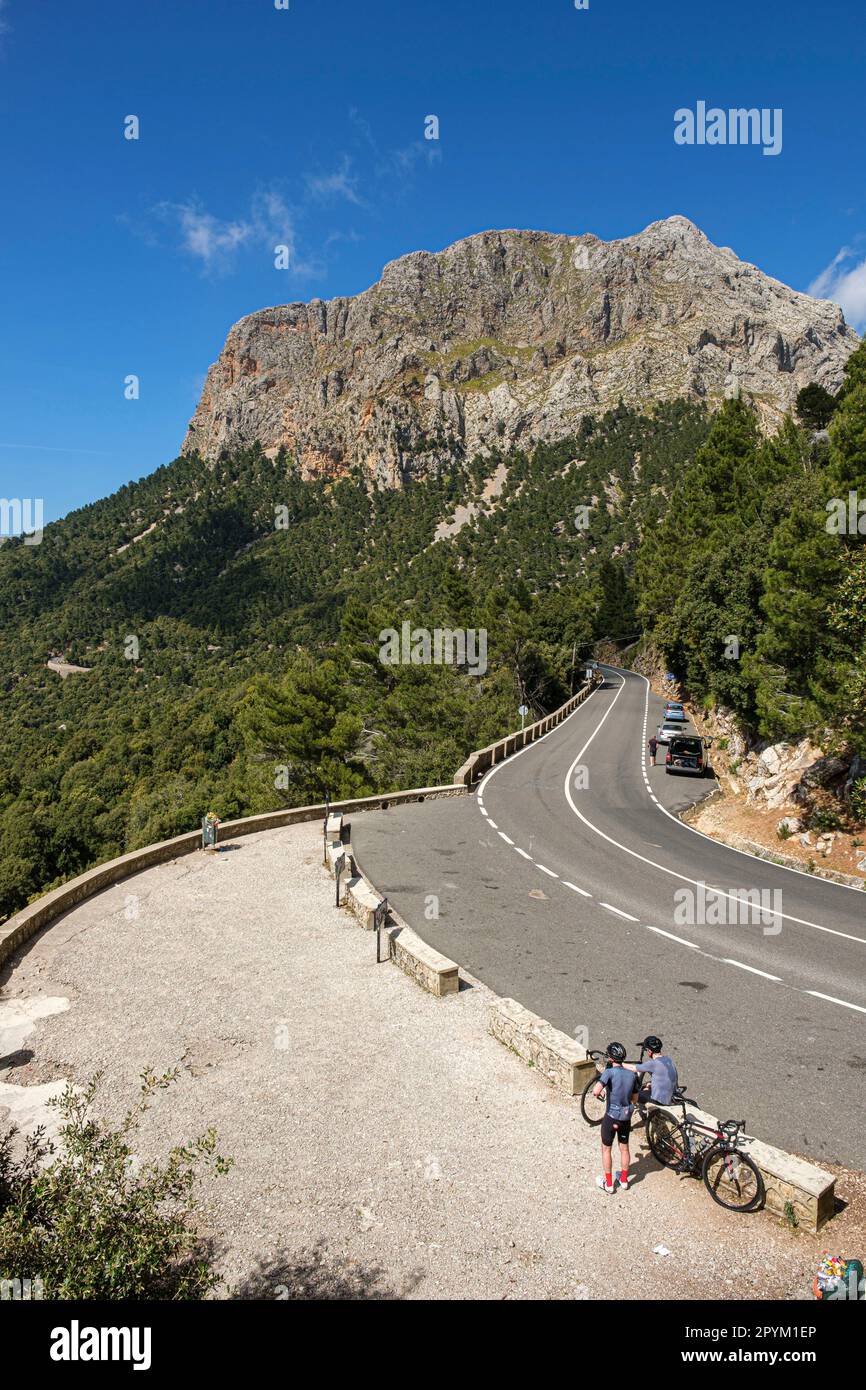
pixel 507 338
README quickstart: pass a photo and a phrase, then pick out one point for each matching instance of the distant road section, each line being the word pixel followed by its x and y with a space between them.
pixel 568 882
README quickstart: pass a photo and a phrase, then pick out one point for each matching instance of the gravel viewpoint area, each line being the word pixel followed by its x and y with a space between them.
pixel 384 1145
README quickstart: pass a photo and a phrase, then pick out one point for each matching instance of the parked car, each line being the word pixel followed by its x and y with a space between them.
pixel 667 730
pixel 675 712
pixel 686 753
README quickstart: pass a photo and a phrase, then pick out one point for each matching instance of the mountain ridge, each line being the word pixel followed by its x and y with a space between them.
pixel 506 339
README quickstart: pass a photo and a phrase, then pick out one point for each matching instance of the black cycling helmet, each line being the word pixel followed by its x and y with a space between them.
pixel 652 1042
pixel 616 1052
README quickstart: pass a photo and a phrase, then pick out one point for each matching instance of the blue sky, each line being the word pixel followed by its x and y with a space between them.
pixel 305 127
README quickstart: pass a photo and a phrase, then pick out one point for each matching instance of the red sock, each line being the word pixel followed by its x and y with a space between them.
pixel 623 1177
pixel 608 1179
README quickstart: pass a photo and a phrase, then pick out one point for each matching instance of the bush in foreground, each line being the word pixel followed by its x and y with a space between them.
pixel 90 1220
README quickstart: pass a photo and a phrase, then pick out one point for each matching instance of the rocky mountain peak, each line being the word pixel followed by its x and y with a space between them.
pixel 509 337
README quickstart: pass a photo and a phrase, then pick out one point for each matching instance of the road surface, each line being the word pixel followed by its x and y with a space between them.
pixel 567 882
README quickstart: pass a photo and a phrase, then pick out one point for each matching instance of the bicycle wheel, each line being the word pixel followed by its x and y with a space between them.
pixel 733 1179
pixel 666 1138
pixel 592 1108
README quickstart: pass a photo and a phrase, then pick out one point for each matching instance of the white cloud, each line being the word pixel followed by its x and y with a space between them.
pixel 844 281
pixel 394 168
pixel 205 236
pixel 215 241
pixel 341 184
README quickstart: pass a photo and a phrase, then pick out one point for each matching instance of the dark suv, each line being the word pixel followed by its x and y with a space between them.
pixel 686 753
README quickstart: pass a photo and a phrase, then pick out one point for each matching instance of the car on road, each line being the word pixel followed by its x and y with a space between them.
pixel 686 753
pixel 675 712
pixel 667 730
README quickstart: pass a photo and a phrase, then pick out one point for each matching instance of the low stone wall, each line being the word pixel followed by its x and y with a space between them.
pixel 39 914
pixel 432 971
pixel 483 759
pixel 425 965
pixel 556 1056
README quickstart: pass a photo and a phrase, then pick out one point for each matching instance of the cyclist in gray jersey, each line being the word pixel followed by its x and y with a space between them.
pixel 621 1092
pixel 661 1070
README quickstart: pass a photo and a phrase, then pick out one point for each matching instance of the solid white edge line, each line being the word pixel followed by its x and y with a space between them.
pixel 693 945
pixel 753 970
pixel 529 746
pixel 662 868
pixel 831 999
pixel 745 853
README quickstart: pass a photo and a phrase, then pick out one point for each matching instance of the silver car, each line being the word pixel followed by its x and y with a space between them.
pixel 668 730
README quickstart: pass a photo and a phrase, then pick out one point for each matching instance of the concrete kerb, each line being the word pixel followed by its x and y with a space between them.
pixel 422 962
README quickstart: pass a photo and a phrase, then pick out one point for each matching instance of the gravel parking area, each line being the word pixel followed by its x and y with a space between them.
pixel 384 1145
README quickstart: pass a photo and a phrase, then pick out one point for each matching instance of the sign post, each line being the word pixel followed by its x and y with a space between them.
pixel 523 711
pixel 325 828
pixel 379 915
pixel 339 866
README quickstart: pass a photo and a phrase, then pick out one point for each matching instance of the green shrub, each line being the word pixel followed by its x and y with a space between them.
pixel 91 1221
pixel 858 800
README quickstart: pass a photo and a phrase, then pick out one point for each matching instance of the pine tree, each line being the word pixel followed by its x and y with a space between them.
pixel 302 724
pixel 815 406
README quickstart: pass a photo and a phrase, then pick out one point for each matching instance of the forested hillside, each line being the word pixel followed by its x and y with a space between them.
pixel 230 615
pixel 753 579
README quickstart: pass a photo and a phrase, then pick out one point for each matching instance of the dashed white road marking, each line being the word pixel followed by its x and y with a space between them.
pixel 662 868
pixel 692 945
pixel 670 936
pixel 744 853
pixel 831 999
pixel 765 974
pixel 574 888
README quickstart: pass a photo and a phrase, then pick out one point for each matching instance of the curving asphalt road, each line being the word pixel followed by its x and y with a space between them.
pixel 568 882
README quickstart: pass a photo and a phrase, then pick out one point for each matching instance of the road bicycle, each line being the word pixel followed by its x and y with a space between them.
pixel 731 1177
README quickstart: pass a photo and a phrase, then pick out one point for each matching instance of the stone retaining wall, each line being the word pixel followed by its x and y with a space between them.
pixel 558 1058
pixel 48 908
pixel 483 759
